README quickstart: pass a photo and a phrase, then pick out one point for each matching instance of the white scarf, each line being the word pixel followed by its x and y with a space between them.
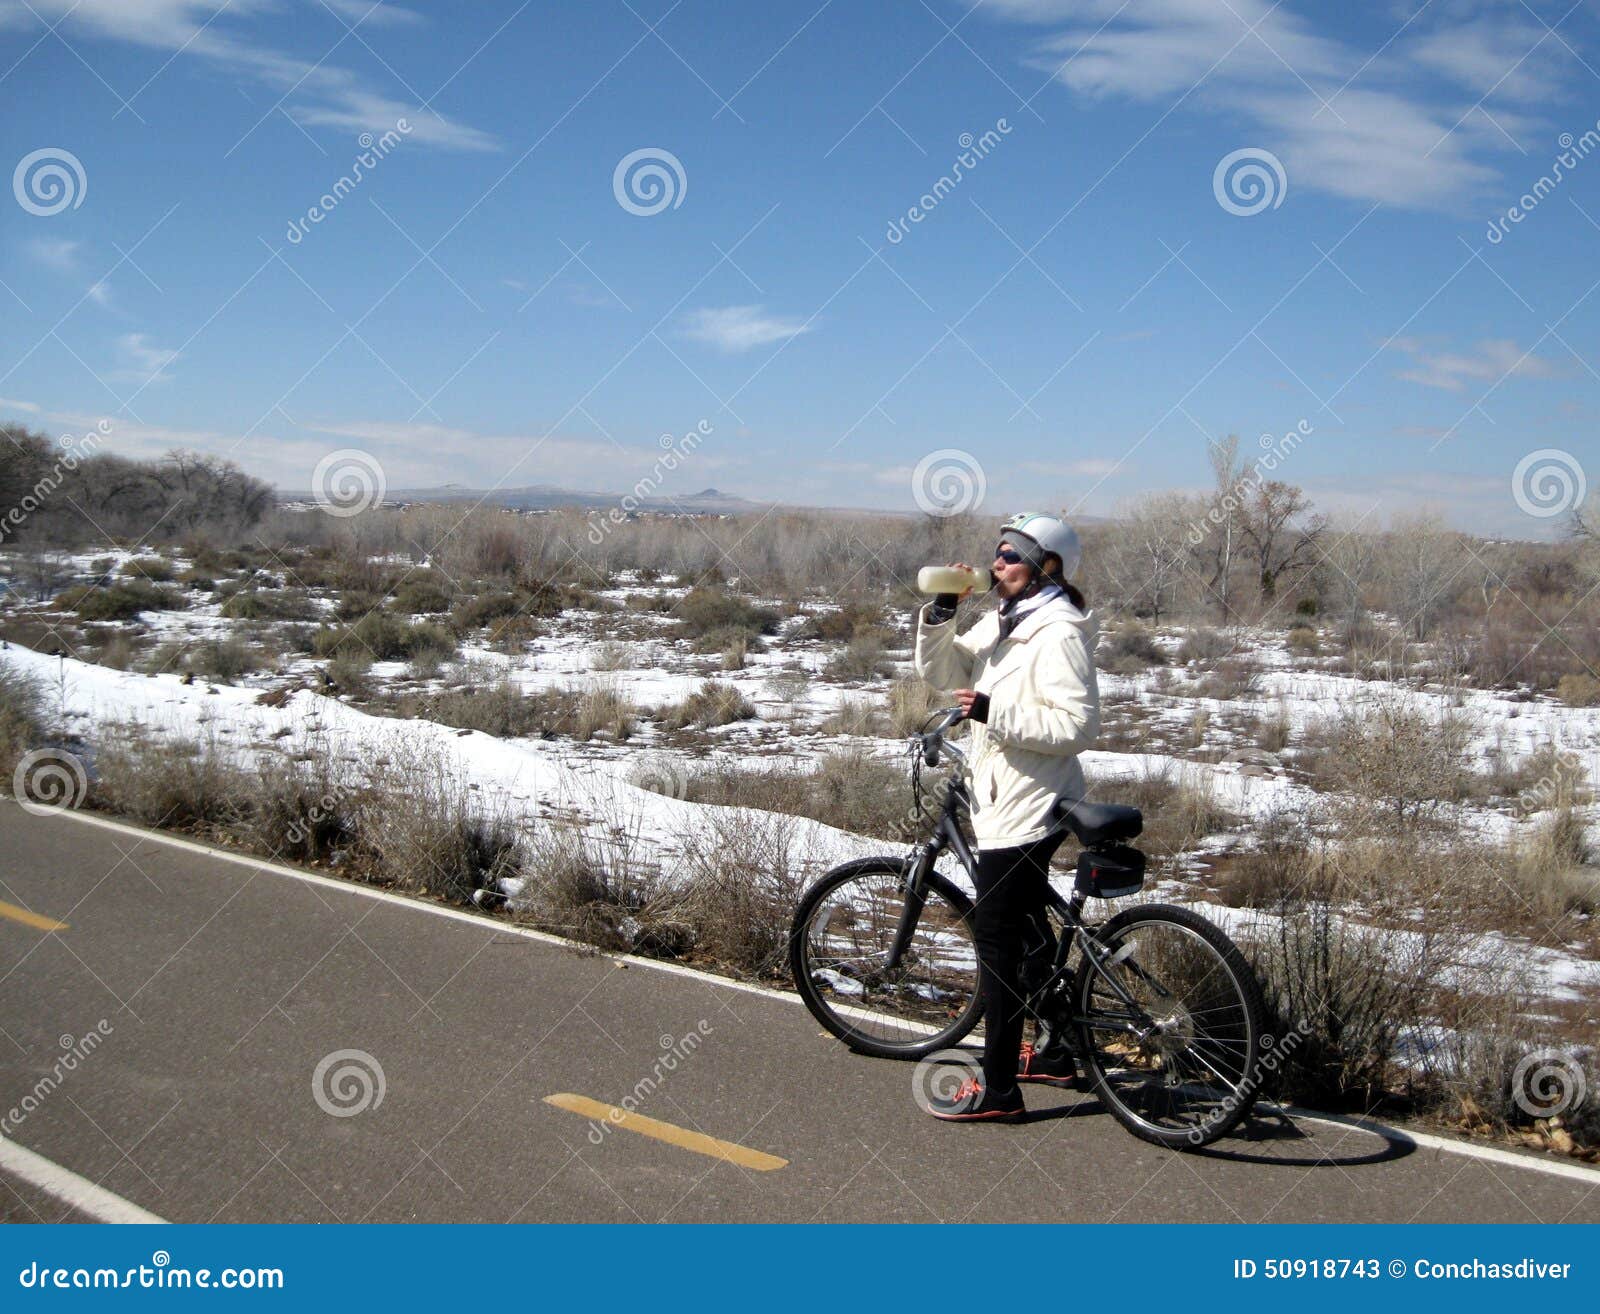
pixel 1015 609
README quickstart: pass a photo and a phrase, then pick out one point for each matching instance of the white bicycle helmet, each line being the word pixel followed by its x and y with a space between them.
pixel 1036 536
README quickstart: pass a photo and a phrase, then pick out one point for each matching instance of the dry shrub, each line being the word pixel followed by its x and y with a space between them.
pixel 861 717
pixel 912 700
pixel 712 704
pixel 743 874
pixel 430 832
pixel 181 784
pixel 595 886
pixel 1397 766
pixel 1303 642
pixel 604 708
pixel 1129 649
pixel 861 659
pixel 1579 690
pixel 1178 813
pixel 21 715
pixel 1203 644
pixel 1232 678
pixel 848 789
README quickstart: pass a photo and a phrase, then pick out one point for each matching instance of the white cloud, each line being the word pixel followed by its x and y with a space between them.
pixel 1493 359
pixel 1395 127
pixel 372 13
pixel 99 293
pixel 12 405
pixel 315 93
pixel 141 362
pixel 55 253
pixel 740 328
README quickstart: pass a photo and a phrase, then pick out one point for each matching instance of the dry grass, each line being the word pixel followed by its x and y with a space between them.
pixel 712 704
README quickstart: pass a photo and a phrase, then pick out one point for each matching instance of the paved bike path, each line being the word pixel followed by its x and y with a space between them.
pixel 216 988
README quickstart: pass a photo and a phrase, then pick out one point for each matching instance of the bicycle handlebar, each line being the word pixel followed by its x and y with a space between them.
pixel 931 741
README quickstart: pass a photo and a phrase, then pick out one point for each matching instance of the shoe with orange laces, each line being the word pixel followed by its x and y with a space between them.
pixel 1051 1066
pixel 972 1103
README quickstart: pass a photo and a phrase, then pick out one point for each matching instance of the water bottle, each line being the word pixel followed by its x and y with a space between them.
pixel 950 579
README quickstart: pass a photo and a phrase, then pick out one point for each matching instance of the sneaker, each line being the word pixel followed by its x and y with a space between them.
pixel 1054 1065
pixel 972 1103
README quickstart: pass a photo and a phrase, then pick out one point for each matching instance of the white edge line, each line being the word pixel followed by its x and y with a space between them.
pixel 1394 1134
pixel 1426 1140
pixel 66 1186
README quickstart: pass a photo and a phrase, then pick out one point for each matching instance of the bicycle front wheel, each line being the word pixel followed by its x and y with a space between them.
pixel 1172 1027
pixel 839 948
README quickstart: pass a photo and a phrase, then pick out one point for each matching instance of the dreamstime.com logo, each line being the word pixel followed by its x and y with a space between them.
pixel 49 780
pixel 348 482
pixel 674 452
pixel 47 181
pixel 159 1274
pixel 1273 452
pixel 1548 482
pixel 1247 181
pixel 347 1082
pixel 649 180
pixel 973 150
pixel 948 482
pixel 1549 1082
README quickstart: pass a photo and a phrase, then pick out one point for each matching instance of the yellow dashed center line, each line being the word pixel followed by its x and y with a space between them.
pixel 610 1115
pixel 32 919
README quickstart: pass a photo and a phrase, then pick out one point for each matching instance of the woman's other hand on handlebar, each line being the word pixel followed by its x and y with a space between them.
pixel 974 705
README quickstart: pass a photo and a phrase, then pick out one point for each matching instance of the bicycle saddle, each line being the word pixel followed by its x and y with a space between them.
pixel 1100 823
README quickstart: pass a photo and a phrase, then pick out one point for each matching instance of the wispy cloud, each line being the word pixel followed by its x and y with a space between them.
pixel 740 328
pixel 11 404
pixel 314 94
pixel 141 362
pixel 1492 360
pixel 1409 126
pixel 55 253
pixel 373 13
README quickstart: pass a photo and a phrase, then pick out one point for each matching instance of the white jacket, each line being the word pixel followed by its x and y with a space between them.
pixel 1044 709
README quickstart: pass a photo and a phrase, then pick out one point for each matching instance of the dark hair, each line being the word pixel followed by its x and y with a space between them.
pixel 1074 594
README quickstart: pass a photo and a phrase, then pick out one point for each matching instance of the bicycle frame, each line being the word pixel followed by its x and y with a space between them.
pixel 948 835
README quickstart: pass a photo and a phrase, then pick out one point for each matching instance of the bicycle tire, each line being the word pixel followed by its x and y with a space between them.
pixel 926 1004
pixel 1224 1053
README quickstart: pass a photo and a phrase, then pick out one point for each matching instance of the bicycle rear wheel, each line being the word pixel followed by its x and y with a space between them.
pixel 1181 1065
pixel 839 944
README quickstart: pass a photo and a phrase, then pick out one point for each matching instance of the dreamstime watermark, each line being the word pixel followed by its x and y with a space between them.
pixel 1549 1082
pixel 77 1050
pixel 647 181
pixel 948 482
pixel 47 181
pixel 1573 151
pixel 347 1082
pixel 372 151
pixel 951 1077
pixel 1274 451
pixel 1276 1055
pixel 328 806
pixel 973 151
pixel 1561 783
pixel 669 460
pixel 46 484
pixel 661 774
pixel 348 482
pixel 49 780
pixel 676 1050
pixel 1247 181
pixel 1548 482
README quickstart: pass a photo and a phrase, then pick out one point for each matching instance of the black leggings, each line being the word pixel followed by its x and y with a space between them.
pixel 1012 886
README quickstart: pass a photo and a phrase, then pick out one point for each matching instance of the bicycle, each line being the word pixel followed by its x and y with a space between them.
pixel 1168 1018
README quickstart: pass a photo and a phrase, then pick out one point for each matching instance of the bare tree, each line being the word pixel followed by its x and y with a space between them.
pixel 1279 538
pixel 1222 543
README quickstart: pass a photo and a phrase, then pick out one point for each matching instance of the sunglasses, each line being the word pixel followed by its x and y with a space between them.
pixel 1008 555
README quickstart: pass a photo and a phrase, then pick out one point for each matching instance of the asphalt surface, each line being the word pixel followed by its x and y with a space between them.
pixel 218 989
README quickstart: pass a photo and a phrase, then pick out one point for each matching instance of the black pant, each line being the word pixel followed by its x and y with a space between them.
pixel 1012 886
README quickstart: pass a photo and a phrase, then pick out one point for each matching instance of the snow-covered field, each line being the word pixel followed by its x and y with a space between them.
pixel 635 651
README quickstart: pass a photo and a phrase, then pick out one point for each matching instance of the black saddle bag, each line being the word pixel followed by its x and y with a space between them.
pixel 1111 872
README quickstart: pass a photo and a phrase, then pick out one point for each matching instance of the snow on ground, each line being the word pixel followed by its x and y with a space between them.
pixel 532 781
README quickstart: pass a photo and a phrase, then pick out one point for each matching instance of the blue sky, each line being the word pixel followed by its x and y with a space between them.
pixel 1077 310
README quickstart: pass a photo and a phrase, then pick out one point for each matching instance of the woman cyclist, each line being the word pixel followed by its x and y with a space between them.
pixel 1024 674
